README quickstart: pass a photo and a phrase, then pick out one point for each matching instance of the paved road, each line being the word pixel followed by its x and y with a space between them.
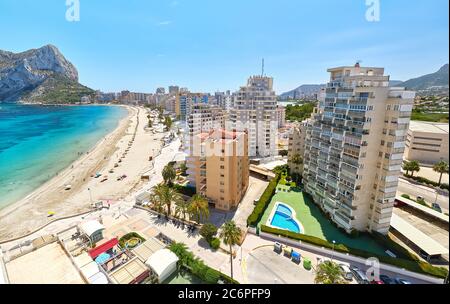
pixel 429 194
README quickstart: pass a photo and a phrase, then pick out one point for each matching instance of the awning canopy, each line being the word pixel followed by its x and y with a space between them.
pixel 91 227
pixel 163 263
pixel 420 239
pixel 94 253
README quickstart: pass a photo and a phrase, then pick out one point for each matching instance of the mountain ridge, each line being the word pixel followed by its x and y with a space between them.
pixel 41 75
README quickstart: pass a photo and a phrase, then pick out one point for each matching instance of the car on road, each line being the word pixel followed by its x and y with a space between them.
pixel 402 281
pixel 386 279
pixel 359 275
pixel 348 275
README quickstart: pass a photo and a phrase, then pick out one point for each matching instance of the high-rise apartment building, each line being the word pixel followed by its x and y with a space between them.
pixel 281 116
pixel 174 90
pixel 254 111
pixel 219 167
pixel 354 147
pixel 185 101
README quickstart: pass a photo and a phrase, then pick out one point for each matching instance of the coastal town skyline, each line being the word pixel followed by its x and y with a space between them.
pixel 188 44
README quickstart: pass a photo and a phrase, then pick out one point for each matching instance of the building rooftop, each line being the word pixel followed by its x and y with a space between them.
pixel 46 265
pixel 429 127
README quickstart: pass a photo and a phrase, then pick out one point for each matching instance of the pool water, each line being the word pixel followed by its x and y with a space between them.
pixel 101 259
pixel 283 219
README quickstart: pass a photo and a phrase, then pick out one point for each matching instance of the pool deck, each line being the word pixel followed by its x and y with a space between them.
pixel 315 223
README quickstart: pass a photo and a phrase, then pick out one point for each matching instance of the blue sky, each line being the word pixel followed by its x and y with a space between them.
pixel 210 45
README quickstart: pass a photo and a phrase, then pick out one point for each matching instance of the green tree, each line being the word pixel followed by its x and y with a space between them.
pixel 411 166
pixel 208 231
pixel 182 207
pixel 168 122
pixel 415 167
pixel 329 272
pixel 231 235
pixel 284 153
pixel 169 174
pixel 183 169
pixel 198 208
pixel 165 196
pixel 441 168
pixel 296 159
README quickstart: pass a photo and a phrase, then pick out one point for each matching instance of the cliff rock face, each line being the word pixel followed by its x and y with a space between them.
pixel 25 76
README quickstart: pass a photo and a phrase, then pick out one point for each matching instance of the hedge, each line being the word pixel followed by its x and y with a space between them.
pixel 426 181
pixel 198 268
pixel 412 265
pixel 263 202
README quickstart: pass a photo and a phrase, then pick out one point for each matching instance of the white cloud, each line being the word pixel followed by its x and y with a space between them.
pixel 164 23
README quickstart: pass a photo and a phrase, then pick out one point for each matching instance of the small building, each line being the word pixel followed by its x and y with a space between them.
pixel 427 142
pixel 163 264
pixel 93 230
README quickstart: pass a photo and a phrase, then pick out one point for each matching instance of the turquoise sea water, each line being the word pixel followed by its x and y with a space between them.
pixel 37 142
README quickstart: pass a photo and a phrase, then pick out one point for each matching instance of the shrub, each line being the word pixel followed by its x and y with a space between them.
pixel 412 265
pixel 263 203
pixel 197 267
pixel 426 181
pixel 208 231
pixel 406 196
pixel 215 243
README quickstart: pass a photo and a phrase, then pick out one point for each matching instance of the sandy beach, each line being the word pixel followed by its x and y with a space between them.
pixel 31 212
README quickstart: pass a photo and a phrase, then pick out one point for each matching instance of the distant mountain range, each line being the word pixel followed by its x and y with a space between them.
pixel 303 91
pixel 41 75
pixel 436 83
pixel 432 83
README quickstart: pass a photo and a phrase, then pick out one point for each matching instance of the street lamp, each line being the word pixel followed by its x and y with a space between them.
pixel 90 195
pixel 332 255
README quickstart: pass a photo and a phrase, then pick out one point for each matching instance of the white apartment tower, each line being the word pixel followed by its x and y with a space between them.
pixel 254 110
pixel 354 147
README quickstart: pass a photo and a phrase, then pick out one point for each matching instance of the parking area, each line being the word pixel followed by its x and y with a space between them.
pixel 436 232
pixel 265 266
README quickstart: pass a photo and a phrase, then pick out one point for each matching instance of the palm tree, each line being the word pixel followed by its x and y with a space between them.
pixel 169 174
pixel 441 167
pixel 407 167
pixel 329 272
pixel 231 235
pixel 415 167
pixel 165 196
pixel 182 207
pixel 198 207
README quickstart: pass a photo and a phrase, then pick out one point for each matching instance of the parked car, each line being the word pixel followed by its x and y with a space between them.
pixel 402 281
pixel 359 275
pixel 348 275
pixel 436 207
pixel 386 280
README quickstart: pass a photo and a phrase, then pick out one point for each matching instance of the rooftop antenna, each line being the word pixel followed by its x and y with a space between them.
pixel 262 74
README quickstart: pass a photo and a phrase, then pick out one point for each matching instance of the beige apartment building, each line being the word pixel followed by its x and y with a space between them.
pixel 354 148
pixel 427 142
pixel 219 167
pixel 297 147
pixel 255 111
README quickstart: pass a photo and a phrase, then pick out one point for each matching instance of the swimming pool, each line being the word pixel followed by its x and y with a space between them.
pixel 284 218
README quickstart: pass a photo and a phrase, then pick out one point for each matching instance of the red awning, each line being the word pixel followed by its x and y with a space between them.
pixel 94 253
